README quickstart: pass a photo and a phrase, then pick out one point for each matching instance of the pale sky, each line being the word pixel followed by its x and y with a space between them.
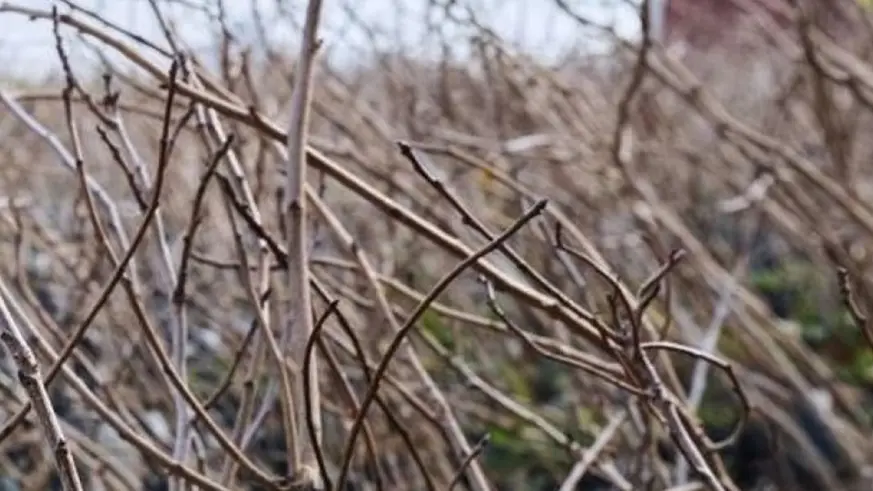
pixel 27 48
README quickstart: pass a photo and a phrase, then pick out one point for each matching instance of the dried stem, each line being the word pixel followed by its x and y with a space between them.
pixel 304 453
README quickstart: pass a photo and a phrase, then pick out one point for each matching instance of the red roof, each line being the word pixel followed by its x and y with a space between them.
pixel 705 22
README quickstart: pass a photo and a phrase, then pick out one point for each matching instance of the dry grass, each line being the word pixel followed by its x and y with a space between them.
pixel 480 230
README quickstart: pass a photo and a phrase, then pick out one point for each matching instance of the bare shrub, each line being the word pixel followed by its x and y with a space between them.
pixel 641 266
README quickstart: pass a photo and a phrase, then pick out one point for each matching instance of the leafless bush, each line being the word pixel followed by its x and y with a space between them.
pixel 282 273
